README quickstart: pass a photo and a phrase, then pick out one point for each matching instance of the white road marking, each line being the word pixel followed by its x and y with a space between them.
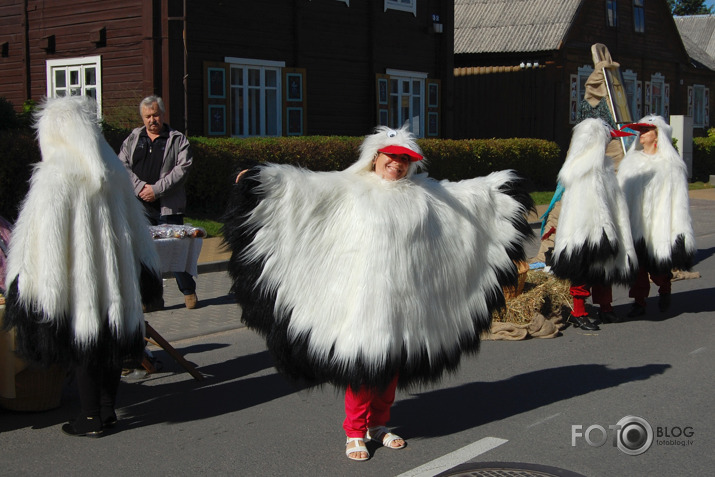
pixel 455 458
pixel 697 351
pixel 537 423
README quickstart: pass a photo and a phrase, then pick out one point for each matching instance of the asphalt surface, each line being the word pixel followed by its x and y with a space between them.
pixel 516 402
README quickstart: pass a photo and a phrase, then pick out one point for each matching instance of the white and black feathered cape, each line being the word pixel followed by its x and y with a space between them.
pixel 353 279
pixel 593 243
pixel 81 257
pixel 656 188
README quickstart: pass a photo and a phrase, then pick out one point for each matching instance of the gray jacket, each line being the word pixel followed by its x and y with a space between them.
pixel 178 158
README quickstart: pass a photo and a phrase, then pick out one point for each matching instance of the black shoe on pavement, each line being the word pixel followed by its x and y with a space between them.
pixel 109 420
pixel 664 302
pixel 85 426
pixel 636 311
pixel 582 322
pixel 608 317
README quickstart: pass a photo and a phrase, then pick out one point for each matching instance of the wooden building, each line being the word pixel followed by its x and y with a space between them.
pixel 238 68
pixel 521 66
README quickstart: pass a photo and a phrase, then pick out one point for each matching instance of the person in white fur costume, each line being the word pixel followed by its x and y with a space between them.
pixel 593 247
pixel 81 261
pixel 373 277
pixel 655 181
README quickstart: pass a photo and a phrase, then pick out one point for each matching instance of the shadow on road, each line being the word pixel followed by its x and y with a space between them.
pixel 145 403
pixel 448 411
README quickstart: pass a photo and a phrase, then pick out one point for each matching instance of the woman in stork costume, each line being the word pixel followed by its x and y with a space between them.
pixel 593 247
pixel 373 277
pixel 654 180
pixel 81 261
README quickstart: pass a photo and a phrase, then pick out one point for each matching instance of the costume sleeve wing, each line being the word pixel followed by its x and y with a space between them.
pixel 354 280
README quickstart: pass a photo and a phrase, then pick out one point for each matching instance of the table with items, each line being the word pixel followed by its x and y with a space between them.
pixel 178 246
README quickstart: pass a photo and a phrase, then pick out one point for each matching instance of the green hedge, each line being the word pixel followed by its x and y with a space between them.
pixel 703 158
pixel 216 162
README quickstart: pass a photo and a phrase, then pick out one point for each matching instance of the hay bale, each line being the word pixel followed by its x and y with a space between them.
pixel 543 294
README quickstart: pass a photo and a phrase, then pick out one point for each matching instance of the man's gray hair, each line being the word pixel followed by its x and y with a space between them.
pixel 149 100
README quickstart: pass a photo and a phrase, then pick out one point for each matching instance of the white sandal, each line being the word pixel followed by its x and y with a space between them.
pixel 383 434
pixel 356 448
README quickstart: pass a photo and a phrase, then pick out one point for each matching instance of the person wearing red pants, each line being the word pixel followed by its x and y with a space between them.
pixel 593 247
pixel 357 277
pixel 367 410
pixel 654 180
pixel 602 296
pixel 641 288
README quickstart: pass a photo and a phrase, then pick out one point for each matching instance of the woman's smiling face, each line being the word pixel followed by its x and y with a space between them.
pixel 391 167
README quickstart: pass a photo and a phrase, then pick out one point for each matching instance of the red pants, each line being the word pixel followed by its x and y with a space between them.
pixel 367 408
pixel 641 287
pixel 602 296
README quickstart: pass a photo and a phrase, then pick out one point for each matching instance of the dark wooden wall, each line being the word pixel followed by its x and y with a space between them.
pixel 341 48
pixel 484 103
pixel 505 103
pixel 13 74
pixel 71 23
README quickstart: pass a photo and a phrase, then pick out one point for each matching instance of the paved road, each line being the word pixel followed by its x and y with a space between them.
pixel 513 402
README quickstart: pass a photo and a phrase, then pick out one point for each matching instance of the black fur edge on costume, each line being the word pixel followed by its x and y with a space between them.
pixel 257 308
pixel 582 265
pixel 291 357
pixel 48 342
pixel 680 258
pixel 516 189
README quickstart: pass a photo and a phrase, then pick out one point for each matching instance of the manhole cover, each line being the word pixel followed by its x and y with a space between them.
pixel 506 469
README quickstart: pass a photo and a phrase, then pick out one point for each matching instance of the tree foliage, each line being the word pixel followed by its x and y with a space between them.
pixel 689 7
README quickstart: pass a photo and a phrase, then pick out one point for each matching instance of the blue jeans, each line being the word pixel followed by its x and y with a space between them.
pixel 186 282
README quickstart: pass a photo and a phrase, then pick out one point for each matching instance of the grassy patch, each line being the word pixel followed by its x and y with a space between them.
pixel 699 185
pixel 542 197
pixel 212 228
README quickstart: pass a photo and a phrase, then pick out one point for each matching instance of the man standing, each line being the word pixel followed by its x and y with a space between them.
pixel 158 159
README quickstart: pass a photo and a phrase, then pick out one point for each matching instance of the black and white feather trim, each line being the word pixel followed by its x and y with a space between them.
pixel 656 188
pixel 593 243
pixel 81 258
pixel 354 280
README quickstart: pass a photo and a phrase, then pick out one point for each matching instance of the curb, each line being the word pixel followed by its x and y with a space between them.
pixel 210 267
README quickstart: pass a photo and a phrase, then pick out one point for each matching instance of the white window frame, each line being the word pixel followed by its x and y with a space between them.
pixel 78 65
pixel 263 66
pixel 699 112
pixel 658 78
pixel 611 20
pixel 402 5
pixel 639 16
pixel 416 121
pixel 583 73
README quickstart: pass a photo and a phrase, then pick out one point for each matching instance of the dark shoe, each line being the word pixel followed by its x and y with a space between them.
pixel 636 311
pixel 608 317
pixel 664 302
pixel 86 426
pixel 109 421
pixel 582 322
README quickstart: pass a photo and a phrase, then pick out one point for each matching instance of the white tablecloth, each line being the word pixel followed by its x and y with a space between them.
pixel 179 255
